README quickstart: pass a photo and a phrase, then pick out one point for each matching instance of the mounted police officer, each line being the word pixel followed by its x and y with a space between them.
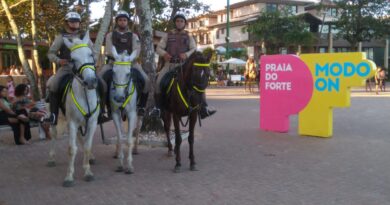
pixel 175 48
pixel 60 54
pixel 124 40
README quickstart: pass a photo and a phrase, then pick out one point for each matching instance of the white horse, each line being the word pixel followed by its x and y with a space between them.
pixel 82 108
pixel 123 100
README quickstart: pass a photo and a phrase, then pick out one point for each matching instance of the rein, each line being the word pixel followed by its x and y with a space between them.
pixel 191 92
pixel 129 95
pixel 77 74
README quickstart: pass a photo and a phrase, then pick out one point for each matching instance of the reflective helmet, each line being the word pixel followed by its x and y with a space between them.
pixel 122 13
pixel 179 15
pixel 73 17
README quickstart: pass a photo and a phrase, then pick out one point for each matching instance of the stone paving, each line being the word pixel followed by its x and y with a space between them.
pixel 238 163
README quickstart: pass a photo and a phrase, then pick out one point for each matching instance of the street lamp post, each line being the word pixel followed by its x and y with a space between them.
pixel 227 38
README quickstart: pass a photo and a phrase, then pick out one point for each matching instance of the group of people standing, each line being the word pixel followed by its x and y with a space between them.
pixel 175 48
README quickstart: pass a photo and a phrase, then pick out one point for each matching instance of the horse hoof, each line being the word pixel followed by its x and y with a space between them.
pixel 193 168
pixel 92 161
pixel 119 169
pixel 89 178
pixel 135 152
pixel 51 164
pixel 177 169
pixel 68 183
pixel 115 156
pixel 129 171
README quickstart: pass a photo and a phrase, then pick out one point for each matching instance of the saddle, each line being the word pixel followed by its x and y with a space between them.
pixel 63 89
pixel 166 84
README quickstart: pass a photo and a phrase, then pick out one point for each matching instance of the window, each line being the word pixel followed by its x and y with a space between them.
pixel 271 7
pixel 332 12
pixel 222 31
pixel 292 9
pixel 201 23
pixel 369 53
pixel 217 35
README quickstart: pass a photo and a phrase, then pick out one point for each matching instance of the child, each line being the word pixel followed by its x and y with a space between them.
pixel 10 87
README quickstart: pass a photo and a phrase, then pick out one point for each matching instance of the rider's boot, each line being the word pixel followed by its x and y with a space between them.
pixel 204 111
pixel 142 103
pixel 54 107
pixel 156 112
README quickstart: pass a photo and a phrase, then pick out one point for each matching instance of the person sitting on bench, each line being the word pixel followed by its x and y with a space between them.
pixel 18 123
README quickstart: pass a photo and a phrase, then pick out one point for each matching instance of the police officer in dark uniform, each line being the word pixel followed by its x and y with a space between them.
pixel 175 48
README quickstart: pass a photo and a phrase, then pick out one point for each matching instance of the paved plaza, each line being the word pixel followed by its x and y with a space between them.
pixel 238 163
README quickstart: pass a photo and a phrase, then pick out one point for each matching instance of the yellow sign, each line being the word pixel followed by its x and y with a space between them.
pixel 333 76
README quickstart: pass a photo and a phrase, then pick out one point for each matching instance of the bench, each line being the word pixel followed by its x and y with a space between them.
pixel 4 128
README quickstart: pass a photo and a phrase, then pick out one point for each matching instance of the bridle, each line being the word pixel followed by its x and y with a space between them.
pixel 129 90
pixel 77 74
pixel 192 88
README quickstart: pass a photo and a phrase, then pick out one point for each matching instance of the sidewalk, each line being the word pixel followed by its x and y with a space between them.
pixel 238 163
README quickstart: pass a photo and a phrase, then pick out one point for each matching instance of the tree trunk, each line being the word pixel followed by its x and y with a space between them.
pixel 26 67
pixel 147 56
pixel 146 37
pixel 104 27
pixel 41 79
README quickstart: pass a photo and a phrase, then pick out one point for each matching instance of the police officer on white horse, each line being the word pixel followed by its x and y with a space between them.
pixel 124 40
pixel 60 54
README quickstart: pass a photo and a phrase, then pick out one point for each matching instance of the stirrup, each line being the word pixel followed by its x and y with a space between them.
pixel 51 119
pixel 206 113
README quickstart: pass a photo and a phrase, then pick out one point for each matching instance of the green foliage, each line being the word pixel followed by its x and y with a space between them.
pixel 363 20
pixel 279 29
pixel 49 18
pixel 165 10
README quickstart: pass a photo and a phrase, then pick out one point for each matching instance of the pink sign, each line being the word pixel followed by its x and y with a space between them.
pixel 286 88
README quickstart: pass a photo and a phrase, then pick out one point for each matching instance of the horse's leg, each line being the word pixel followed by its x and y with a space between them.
pixel 193 119
pixel 250 86
pixel 177 142
pixel 132 117
pixel 88 175
pixel 136 134
pixel 167 126
pixel 82 142
pixel 116 117
pixel 69 181
pixel 52 153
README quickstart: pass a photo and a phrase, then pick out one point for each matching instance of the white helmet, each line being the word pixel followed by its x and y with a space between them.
pixel 73 17
pixel 122 13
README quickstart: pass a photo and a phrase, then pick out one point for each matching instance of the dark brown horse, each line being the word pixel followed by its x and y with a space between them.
pixel 183 98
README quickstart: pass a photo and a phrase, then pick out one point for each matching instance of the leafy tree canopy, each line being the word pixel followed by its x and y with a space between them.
pixel 363 20
pixel 280 29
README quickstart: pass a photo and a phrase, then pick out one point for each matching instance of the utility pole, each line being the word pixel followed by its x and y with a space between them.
pixel 227 38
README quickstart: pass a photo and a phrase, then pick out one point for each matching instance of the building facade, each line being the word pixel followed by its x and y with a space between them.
pixel 210 29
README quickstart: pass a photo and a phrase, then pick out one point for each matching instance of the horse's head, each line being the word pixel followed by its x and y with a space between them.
pixel 84 64
pixel 121 75
pixel 199 71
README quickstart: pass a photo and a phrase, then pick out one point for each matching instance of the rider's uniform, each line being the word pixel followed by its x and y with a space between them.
pixel 124 41
pixel 174 43
pixel 58 51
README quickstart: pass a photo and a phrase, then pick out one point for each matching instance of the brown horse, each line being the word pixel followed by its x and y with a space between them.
pixel 183 97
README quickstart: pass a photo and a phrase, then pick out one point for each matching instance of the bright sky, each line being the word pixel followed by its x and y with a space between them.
pixel 98 8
